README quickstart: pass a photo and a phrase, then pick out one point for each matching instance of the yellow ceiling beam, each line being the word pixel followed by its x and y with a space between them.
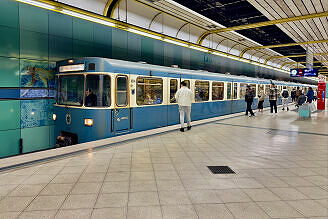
pixel 282 45
pixel 294 63
pixel 293 56
pixel 262 24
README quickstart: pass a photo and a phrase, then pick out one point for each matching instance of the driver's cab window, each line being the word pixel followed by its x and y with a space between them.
pixel 97 92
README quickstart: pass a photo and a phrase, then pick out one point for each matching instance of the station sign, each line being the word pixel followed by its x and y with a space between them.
pixel 71 68
pixel 304 72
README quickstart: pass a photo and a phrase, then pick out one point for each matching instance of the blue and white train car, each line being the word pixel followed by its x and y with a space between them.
pixel 99 98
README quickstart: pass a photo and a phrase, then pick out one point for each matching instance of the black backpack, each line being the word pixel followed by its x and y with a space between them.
pixel 285 94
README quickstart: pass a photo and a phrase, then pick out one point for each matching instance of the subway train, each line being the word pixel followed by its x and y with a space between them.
pixel 99 98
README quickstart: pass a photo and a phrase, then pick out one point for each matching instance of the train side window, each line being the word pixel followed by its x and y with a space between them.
pixel 187 83
pixel 228 91
pixel 217 90
pixel 235 90
pixel 202 90
pixel 242 91
pixel 149 91
pixel 173 90
pixel 97 93
pixel 254 88
pixel 122 90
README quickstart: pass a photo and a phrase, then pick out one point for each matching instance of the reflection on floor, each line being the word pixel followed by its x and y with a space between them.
pixel 281 166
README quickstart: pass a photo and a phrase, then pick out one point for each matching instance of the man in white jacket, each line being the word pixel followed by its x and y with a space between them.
pixel 184 98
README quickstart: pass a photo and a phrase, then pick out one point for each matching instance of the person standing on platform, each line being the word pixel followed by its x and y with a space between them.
pixel 315 95
pixel 293 95
pixel 298 93
pixel 249 97
pixel 184 98
pixel 310 95
pixel 285 98
pixel 261 96
pixel 273 97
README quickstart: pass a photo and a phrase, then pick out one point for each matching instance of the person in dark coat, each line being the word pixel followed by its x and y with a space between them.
pixel 293 95
pixel 249 97
pixel 310 95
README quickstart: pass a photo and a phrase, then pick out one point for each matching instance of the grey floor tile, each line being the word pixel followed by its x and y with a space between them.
pixel 309 208
pixel 279 209
pixel 37 214
pixel 288 193
pixel 57 189
pixel 174 197
pixel 110 187
pixel 204 196
pixel 109 213
pixel 247 210
pixel 143 198
pixel 27 190
pixel 262 194
pixel 233 195
pixel 213 211
pixel 46 203
pixel 86 188
pixel 147 212
pixel 72 214
pixel 143 186
pixel 14 203
pixel 112 200
pixel 80 201
pixel 179 212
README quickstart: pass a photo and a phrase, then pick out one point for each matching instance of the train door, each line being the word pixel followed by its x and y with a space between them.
pixel 122 112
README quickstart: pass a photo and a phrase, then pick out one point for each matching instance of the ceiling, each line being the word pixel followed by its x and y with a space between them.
pixel 240 12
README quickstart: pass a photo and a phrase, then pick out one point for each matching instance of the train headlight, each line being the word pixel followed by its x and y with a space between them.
pixel 54 117
pixel 88 122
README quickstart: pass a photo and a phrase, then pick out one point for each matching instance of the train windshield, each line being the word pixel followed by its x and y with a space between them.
pixel 96 92
pixel 70 90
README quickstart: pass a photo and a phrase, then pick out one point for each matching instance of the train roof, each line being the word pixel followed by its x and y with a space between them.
pixel 115 63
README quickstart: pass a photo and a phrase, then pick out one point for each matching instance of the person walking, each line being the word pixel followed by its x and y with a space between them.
pixel 184 98
pixel 249 97
pixel 285 98
pixel 310 95
pixel 273 96
pixel 261 96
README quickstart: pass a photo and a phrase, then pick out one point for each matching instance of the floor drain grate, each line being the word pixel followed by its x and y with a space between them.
pixel 221 170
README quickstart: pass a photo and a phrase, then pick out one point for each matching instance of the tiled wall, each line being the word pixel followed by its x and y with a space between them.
pixel 33 39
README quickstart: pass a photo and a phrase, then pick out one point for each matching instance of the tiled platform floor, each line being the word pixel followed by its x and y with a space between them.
pixel 280 174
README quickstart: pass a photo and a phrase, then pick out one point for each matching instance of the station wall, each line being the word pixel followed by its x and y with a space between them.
pixel 32 39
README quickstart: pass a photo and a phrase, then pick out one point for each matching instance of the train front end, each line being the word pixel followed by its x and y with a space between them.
pixel 82 111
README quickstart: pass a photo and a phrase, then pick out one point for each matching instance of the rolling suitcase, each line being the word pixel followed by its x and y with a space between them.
pixel 304 111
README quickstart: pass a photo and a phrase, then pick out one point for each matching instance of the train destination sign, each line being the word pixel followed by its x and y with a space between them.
pixel 304 72
pixel 70 68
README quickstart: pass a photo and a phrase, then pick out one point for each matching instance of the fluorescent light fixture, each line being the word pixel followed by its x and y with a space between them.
pixel 198 48
pixel 38 4
pixel 175 42
pixel 144 33
pixel 86 17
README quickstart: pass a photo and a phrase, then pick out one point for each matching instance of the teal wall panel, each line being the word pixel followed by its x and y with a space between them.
pixel 33 19
pixel 9 13
pixel 9 142
pixel 82 49
pixel 9 115
pixel 60 48
pixel 60 25
pixel 147 47
pixel 119 39
pixel 82 30
pixel 35 139
pixel 9 72
pixel 134 45
pixel 33 45
pixel 9 41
